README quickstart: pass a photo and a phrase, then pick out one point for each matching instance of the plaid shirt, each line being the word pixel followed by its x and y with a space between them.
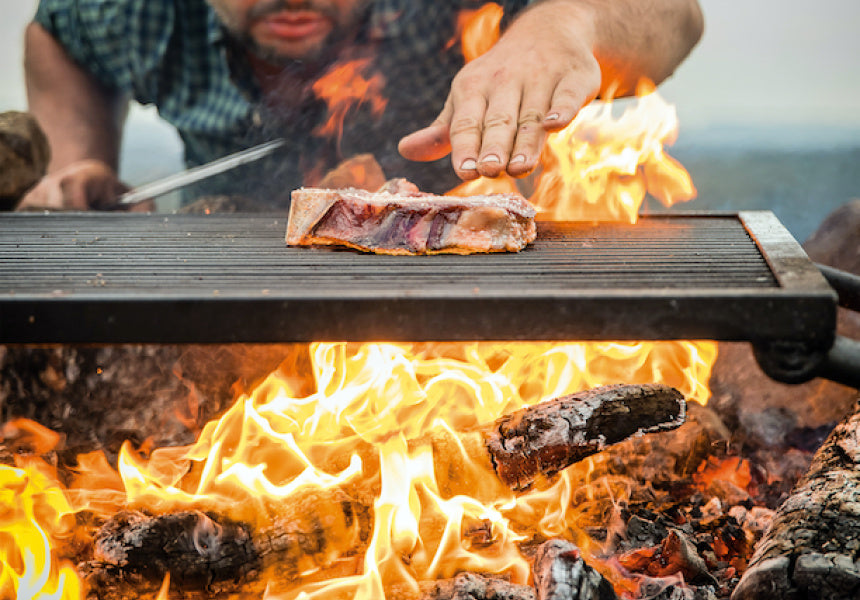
pixel 175 54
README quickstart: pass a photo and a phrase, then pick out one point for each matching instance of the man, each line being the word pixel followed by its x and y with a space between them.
pixel 231 73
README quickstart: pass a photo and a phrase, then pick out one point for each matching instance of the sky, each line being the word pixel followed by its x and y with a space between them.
pixel 762 64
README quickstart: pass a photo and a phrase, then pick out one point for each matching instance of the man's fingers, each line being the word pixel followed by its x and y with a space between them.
pixel 467 126
pixel 431 143
pixel 571 94
pixel 498 131
pixel 530 133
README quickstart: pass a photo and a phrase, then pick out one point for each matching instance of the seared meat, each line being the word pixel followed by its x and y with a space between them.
pixel 400 219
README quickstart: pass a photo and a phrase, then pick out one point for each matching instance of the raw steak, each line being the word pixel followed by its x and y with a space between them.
pixel 399 219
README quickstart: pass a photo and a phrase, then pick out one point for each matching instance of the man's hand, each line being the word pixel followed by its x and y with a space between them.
pixel 81 185
pixel 557 56
pixel 502 104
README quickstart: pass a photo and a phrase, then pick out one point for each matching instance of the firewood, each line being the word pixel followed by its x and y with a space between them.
pixel 560 573
pixel 312 531
pixel 211 553
pixel 471 586
pixel 810 549
pixel 544 439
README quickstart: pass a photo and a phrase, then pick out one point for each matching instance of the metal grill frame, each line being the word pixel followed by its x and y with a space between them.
pixel 799 307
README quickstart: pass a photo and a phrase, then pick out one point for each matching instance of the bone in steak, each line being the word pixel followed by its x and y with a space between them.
pixel 400 219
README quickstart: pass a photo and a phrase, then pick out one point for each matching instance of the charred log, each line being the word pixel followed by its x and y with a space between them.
pixel 470 586
pixel 544 439
pixel 206 552
pixel 560 573
pixel 811 548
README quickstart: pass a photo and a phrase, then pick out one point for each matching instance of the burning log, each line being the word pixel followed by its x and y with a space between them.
pixel 312 531
pixel 544 439
pixel 560 573
pixel 810 549
pixel 206 552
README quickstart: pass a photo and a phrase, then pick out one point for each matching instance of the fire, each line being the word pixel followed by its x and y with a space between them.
pixel 599 168
pixel 345 85
pixel 362 437
pixel 479 29
pixel 36 519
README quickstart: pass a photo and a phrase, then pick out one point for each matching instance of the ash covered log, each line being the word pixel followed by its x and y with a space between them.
pixel 471 586
pixel 212 554
pixel 811 547
pixel 560 573
pixel 546 438
pixel 322 526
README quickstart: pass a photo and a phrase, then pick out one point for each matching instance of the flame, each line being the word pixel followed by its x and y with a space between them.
pixel 364 420
pixel 36 519
pixel 478 29
pixel 365 430
pixel 600 167
pixel 345 85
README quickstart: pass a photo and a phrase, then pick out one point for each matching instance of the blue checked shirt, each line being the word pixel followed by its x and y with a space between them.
pixel 175 54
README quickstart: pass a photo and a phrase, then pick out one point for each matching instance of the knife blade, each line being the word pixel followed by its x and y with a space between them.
pixel 185 178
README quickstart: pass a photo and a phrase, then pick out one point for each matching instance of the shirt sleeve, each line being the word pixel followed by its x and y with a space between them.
pixel 105 36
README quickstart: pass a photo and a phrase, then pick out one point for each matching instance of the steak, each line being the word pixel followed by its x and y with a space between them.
pixel 400 219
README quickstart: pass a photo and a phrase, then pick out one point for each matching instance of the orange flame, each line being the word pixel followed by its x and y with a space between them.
pixel 346 85
pixel 479 29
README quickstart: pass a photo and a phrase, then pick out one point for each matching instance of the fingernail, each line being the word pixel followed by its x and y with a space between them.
pixel 491 158
pixel 519 158
pixel 552 117
pixel 469 165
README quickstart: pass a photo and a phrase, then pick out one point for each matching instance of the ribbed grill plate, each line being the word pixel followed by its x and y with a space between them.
pixel 107 277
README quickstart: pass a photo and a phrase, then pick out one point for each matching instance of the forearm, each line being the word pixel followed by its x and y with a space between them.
pixel 631 39
pixel 81 118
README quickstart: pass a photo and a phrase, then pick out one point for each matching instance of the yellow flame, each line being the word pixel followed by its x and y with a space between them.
pixel 366 428
pixel 599 168
pixel 36 517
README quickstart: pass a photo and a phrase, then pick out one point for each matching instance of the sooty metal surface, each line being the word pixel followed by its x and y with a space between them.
pixel 111 278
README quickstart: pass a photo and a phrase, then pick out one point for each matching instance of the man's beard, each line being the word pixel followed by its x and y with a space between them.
pixel 341 35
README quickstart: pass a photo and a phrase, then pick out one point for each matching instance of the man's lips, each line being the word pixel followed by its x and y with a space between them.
pixel 294 24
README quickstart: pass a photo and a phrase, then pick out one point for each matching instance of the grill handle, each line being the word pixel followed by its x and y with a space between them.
pixel 798 362
pixel 846 285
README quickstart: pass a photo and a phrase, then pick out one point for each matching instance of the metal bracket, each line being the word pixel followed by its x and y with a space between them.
pixel 799 361
pixel 789 361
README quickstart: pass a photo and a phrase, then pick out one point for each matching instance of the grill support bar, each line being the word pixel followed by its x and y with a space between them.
pixel 799 361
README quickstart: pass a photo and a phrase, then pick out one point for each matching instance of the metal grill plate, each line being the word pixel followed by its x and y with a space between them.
pixel 114 278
